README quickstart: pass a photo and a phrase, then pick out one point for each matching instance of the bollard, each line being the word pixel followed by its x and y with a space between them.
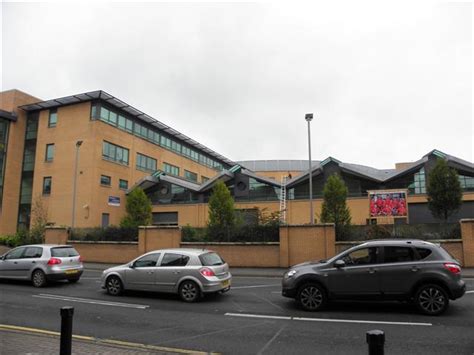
pixel 376 340
pixel 66 330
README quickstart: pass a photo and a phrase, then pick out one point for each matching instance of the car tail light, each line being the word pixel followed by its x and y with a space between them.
pixel 54 261
pixel 455 269
pixel 207 272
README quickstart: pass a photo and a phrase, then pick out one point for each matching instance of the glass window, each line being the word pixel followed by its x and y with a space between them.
pixel 171 259
pixel 94 111
pixel 113 118
pixel 15 253
pixel 423 253
pixel 47 185
pixel 137 128
pixel 121 122
pixel 49 156
pixel 123 184
pixel 171 169
pixel 145 163
pixel 176 146
pixel 115 153
pixel 362 256
pixel 204 179
pixel 211 259
pixel 53 117
pixel 33 252
pixel 189 175
pixel 64 252
pixel 129 125
pixel 105 220
pixel 398 254
pixel 467 182
pixel 105 180
pixel 104 114
pixel 149 260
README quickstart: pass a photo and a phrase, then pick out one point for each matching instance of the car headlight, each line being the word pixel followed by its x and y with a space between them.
pixel 290 273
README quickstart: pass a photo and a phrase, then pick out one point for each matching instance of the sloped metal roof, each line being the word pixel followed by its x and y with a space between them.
pixel 132 111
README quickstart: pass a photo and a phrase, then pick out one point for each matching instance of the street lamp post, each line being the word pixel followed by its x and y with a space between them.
pixel 309 117
pixel 78 145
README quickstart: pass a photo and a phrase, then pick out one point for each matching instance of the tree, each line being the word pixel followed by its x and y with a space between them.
pixel 138 207
pixel 334 208
pixel 221 209
pixel 39 220
pixel 444 190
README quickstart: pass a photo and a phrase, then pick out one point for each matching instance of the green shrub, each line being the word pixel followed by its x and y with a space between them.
pixel 21 237
pixel 111 233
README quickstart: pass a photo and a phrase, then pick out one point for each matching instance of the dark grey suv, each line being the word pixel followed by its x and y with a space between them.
pixel 406 270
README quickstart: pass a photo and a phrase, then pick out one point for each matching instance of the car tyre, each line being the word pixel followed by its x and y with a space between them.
pixel 38 278
pixel 311 297
pixel 114 286
pixel 189 291
pixel 432 299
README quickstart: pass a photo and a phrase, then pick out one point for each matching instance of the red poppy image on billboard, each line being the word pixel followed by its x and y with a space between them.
pixel 386 204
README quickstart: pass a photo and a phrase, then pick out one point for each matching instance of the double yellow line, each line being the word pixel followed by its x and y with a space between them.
pixel 104 341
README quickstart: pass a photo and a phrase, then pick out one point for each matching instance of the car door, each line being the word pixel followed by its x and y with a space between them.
pixel 171 269
pixel 141 274
pixel 9 265
pixel 399 270
pixel 29 260
pixel 359 276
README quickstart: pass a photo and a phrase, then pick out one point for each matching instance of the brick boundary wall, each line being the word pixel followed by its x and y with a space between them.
pixel 467 233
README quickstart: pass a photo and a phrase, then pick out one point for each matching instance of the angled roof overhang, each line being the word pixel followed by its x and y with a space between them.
pixel 130 110
pixel 11 116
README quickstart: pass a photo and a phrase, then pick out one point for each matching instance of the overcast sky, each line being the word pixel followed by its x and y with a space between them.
pixel 386 82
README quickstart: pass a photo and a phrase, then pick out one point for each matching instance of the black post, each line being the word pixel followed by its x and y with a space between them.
pixel 66 330
pixel 376 340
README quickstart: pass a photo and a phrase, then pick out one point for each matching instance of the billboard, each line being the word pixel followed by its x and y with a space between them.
pixel 392 203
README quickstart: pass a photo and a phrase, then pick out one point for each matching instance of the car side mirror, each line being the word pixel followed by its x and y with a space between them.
pixel 131 266
pixel 339 263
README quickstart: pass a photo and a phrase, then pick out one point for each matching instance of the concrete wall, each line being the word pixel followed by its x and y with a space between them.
pixel 152 238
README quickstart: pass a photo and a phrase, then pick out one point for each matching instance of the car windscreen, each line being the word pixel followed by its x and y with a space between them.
pixel 211 259
pixel 64 252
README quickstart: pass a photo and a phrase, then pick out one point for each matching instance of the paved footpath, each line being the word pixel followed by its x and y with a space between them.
pixel 35 342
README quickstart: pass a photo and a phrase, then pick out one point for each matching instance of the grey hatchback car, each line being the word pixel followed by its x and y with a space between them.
pixel 405 270
pixel 189 272
pixel 41 263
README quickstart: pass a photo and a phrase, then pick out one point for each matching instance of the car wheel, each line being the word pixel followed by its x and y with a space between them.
pixel 311 297
pixel 432 299
pixel 114 286
pixel 38 278
pixel 189 291
pixel 73 281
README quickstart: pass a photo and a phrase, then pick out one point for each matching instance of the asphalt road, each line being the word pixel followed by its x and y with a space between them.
pixel 253 318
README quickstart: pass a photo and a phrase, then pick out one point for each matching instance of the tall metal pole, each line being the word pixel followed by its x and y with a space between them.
pixel 78 145
pixel 308 118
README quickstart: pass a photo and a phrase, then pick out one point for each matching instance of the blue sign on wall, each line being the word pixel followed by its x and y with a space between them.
pixel 114 201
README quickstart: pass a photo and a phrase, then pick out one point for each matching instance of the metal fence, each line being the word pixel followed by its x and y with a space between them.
pixel 431 231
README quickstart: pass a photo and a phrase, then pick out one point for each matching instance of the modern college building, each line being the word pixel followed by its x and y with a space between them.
pixel 77 156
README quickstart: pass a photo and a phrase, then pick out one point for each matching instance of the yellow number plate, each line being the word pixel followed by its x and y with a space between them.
pixel 70 272
pixel 225 283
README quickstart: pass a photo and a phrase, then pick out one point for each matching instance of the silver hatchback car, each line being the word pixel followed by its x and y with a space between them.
pixel 41 263
pixel 190 273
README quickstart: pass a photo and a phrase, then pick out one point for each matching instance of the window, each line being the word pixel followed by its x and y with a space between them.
pixel 171 169
pixel 105 220
pixel 123 184
pixel 145 163
pixel 165 142
pixel 105 180
pixel 47 185
pixel 171 259
pixel 53 117
pixel 64 252
pixel 467 182
pixel 423 253
pixel 189 175
pixel 15 253
pixel 398 254
pixel 362 256
pixel 49 156
pixel 114 153
pixel 211 259
pixel 33 252
pixel 149 260
pixel 176 146
pixel 418 186
pixel 165 218
pixel 204 179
